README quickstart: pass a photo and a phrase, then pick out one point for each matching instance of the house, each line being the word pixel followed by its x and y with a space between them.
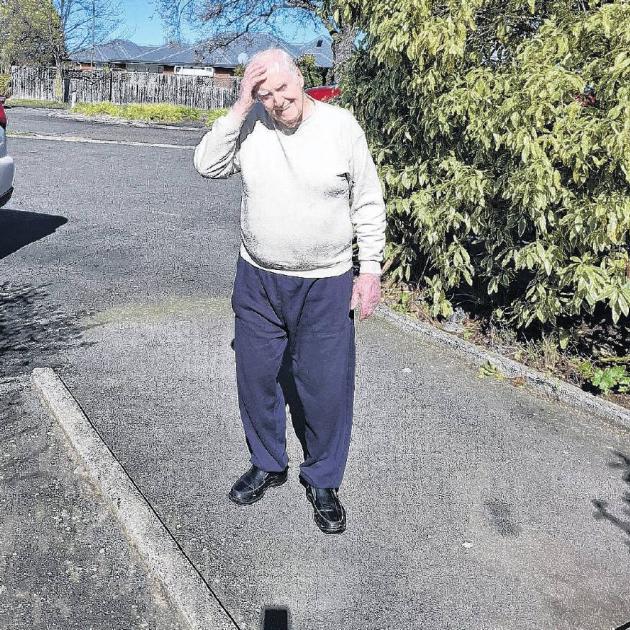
pixel 111 54
pixel 209 58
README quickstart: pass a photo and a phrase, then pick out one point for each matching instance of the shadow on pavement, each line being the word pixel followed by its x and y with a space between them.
pixel 275 619
pixel 601 507
pixel 32 328
pixel 501 519
pixel 19 228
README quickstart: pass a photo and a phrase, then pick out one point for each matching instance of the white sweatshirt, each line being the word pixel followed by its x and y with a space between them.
pixel 304 190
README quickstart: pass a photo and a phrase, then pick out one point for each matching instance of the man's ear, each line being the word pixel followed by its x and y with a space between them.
pixel 300 78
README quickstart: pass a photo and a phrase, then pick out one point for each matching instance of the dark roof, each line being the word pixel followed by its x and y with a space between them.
pixel 321 49
pixel 116 50
pixel 156 54
pixel 210 53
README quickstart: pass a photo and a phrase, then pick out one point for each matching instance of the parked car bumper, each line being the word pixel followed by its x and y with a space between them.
pixel 4 200
pixel 7 172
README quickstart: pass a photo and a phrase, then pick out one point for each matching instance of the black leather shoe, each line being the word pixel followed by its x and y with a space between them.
pixel 329 514
pixel 251 486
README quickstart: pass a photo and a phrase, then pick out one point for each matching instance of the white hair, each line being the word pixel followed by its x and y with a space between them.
pixel 276 59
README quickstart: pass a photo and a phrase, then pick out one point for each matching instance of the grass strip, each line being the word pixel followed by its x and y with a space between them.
pixel 160 113
pixel 27 102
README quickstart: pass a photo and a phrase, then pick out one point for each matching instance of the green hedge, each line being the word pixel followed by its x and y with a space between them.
pixel 502 134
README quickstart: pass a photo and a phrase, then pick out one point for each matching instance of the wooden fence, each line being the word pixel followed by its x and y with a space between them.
pixel 35 83
pixel 124 87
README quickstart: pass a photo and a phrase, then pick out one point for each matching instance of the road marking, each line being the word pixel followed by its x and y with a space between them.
pixel 38 136
pixel 183 583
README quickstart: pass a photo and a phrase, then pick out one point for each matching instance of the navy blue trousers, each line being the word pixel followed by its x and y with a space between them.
pixel 309 321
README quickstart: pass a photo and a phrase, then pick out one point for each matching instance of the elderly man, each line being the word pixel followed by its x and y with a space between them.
pixel 308 180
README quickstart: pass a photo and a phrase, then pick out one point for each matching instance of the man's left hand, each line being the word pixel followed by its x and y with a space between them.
pixel 367 293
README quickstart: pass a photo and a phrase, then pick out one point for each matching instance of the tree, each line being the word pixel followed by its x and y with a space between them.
pixel 244 16
pixel 45 31
pixel 30 32
pixel 224 21
pixel 174 14
pixel 86 23
pixel 501 135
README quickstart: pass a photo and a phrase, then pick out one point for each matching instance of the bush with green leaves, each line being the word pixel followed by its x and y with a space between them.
pixel 313 76
pixel 608 378
pixel 502 135
pixel 150 112
pixel 5 84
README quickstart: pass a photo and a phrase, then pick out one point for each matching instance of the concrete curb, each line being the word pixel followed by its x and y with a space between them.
pixel 477 355
pixel 182 582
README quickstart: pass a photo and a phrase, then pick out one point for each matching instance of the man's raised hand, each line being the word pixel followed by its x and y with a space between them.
pixel 255 74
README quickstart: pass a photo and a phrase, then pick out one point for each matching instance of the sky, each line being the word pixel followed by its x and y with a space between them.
pixel 142 27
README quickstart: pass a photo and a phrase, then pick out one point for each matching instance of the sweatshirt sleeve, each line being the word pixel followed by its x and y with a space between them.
pixel 217 155
pixel 367 208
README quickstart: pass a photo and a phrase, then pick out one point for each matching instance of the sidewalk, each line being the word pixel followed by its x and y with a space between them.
pixel 64 562
pixel 469 501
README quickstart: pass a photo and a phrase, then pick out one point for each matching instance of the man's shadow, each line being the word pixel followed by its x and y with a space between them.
pixel 20 228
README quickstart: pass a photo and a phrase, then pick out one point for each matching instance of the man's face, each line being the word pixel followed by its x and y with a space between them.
pixel 282 96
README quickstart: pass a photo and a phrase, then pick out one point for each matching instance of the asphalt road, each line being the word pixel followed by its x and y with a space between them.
pixel 65 563
pixel 470 501
pixel 61 123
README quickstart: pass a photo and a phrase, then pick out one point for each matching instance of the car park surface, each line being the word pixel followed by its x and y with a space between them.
pixel 471 501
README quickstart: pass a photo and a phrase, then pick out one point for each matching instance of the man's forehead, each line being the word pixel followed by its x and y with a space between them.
pixel 276 79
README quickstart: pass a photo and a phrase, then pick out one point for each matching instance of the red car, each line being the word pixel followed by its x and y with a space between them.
pixel 324 92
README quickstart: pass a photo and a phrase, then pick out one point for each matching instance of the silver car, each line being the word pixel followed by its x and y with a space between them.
pixel 7 167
